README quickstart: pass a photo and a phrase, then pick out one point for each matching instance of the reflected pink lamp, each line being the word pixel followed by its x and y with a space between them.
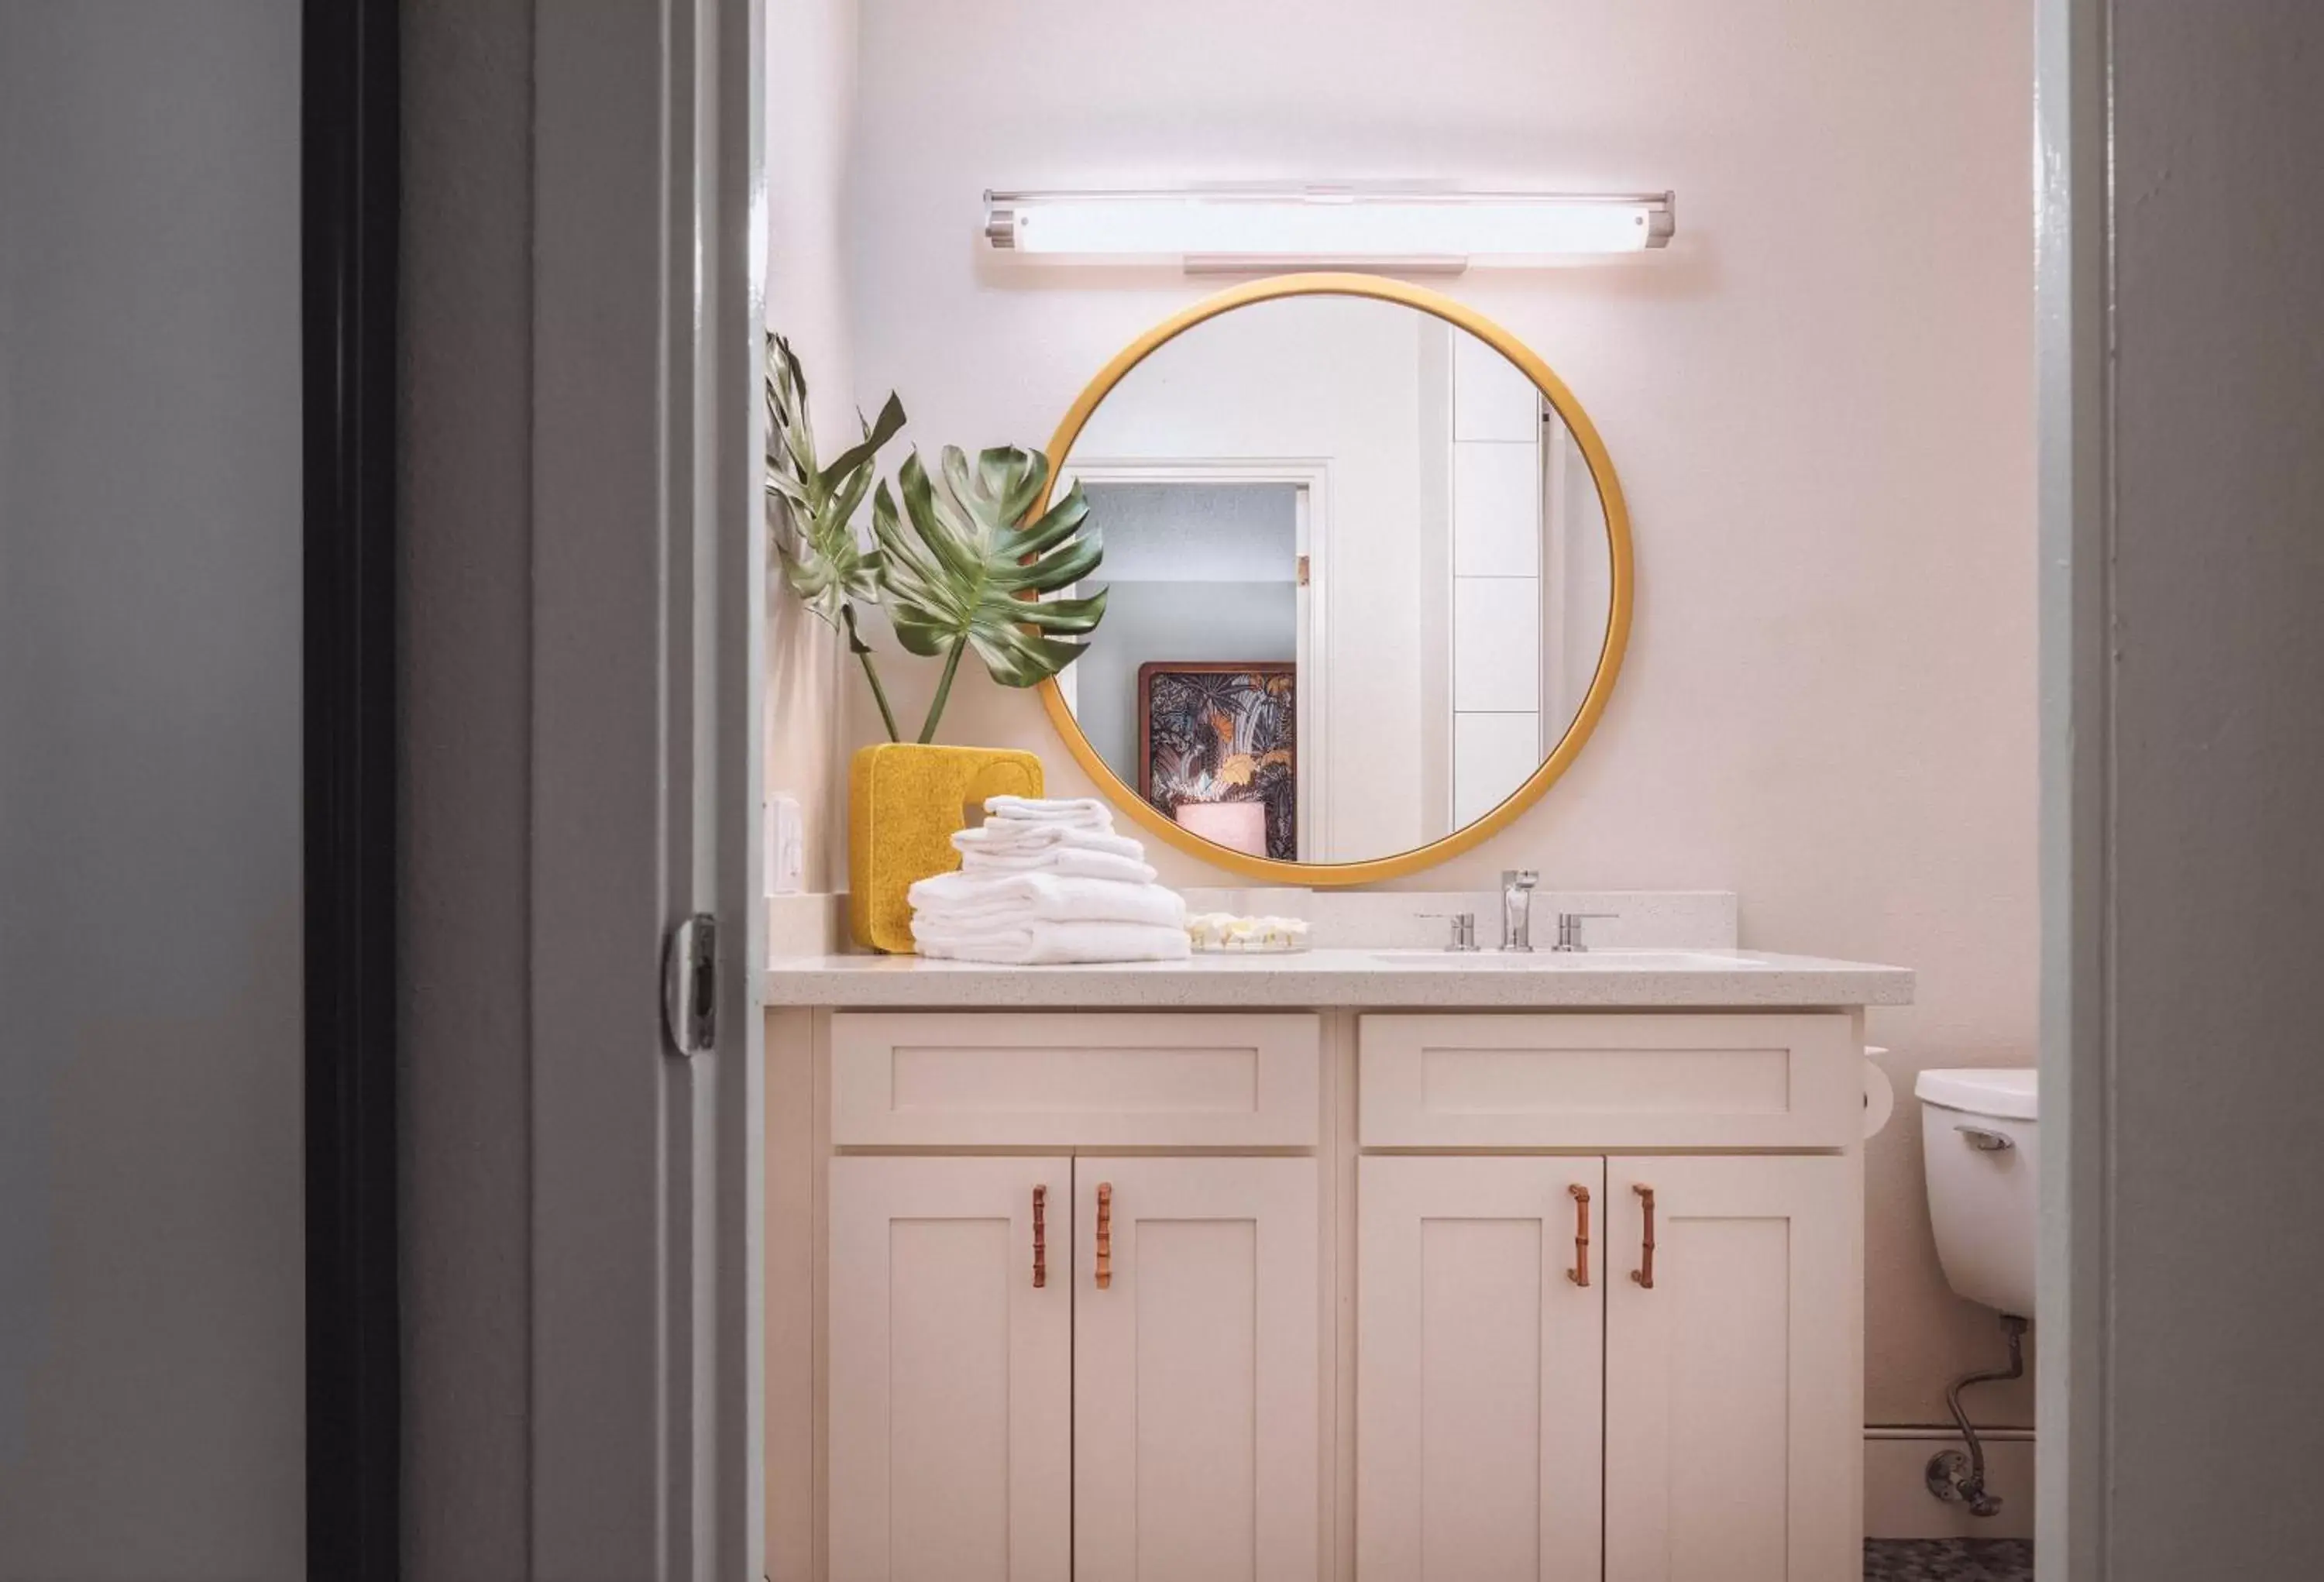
pixel 1237 825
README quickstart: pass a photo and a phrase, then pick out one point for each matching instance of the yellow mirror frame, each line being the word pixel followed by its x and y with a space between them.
pixel 1618 621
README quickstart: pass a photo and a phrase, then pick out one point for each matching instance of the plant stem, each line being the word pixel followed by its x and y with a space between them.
pixel 862 651
pixel 943 690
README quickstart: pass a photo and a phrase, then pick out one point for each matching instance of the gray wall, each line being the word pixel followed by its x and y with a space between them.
pixel 2210 1181
pixel 465 507
pixel 152 1384
pixel 1188 531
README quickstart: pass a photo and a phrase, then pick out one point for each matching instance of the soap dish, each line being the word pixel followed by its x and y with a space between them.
pixel 1224 933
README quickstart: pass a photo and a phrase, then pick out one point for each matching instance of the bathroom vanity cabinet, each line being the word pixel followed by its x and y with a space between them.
pixel 1348 1290
pixel 1512 1421
pixel 992 1419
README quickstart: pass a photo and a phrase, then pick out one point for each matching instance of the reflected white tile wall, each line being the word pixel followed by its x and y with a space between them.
pixel 1496 509
pixel 1492 756
pixel 1496 643
pixel 1492 399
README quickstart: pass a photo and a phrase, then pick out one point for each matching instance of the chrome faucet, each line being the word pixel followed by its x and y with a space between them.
pixel 1516 908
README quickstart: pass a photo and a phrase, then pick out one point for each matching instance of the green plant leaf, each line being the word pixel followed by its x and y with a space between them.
pixel 856 459
pixel 811 508
pixel 966 574
pixel 786 410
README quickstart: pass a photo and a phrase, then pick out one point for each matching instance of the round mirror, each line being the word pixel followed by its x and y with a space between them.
pixel 1368 578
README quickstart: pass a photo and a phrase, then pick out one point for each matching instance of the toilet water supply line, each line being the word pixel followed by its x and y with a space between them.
pixel 1958 1478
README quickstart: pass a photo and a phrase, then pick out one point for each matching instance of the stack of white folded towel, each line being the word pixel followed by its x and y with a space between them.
pixel 1045 882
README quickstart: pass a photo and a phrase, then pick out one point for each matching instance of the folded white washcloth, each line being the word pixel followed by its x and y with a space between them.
pixel 1046 944
pixel 958 904
pixel 1016 837
pixel 1062 860
pixel 1081 812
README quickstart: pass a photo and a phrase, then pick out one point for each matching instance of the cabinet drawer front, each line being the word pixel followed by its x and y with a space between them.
pixel 1611 1081
pixel 1185 1080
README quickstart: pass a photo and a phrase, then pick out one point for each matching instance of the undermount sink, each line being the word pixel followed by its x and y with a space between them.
pixel 1574 960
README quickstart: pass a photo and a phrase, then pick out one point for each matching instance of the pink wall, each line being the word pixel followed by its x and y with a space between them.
pixel 811 85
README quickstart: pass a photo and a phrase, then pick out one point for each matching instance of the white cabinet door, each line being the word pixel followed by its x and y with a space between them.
pixel 1735 1382
pixel 1479 1351
pixel 1196 1396
pixel 950 1371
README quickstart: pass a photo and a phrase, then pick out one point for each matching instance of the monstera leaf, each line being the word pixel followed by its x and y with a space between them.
pixel 812 505
pixel 967 575
pixel 811 508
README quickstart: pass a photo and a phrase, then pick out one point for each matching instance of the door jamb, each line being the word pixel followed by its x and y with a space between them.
pixel 349 175
pixel 647 589
pixel 2074 201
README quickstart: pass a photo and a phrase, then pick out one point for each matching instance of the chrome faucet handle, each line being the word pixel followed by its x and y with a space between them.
pixel 1465 928
pixel 1569 928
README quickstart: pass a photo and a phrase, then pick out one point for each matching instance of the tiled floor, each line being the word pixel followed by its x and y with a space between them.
pixel 1948 1559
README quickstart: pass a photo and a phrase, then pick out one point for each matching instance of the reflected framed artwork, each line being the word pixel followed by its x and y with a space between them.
pixel 1218 750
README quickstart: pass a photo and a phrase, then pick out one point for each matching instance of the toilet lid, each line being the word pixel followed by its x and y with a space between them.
pixel 2006 1093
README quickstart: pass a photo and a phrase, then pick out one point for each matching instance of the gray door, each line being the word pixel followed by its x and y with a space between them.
pixel 151 1350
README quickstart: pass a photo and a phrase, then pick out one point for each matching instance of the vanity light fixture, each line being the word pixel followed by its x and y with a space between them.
pixel 1232 229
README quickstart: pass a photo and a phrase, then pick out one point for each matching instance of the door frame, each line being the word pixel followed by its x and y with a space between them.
pixel 349 132
pixel 2074 420
pixel 648 644
pixel 349 174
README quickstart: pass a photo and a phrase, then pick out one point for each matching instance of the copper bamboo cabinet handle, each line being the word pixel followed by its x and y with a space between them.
pixel 1040 1237
pixel 1643 1274
pixel 1104 1234
pixel 1579 1273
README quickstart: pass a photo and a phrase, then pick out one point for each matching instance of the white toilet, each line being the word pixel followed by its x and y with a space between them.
pixel 1980 1138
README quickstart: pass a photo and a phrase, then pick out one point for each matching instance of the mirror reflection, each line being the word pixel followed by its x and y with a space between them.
pixel 1360 572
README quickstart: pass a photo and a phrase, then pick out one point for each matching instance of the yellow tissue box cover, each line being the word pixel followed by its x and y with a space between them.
pixel 904 803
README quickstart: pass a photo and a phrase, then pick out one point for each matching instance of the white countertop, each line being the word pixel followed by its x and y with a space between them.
pixel 1486 980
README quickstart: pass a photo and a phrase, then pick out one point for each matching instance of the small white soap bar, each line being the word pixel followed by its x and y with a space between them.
pixel 1224 931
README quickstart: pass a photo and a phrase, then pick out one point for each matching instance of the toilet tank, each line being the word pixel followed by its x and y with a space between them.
pixel 1980 1141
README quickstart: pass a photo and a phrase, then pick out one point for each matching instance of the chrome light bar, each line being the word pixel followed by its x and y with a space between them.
pixel 1229 227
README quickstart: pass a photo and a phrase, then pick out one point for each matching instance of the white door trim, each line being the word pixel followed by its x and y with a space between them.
pixel 647 566
pixel 1312 476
